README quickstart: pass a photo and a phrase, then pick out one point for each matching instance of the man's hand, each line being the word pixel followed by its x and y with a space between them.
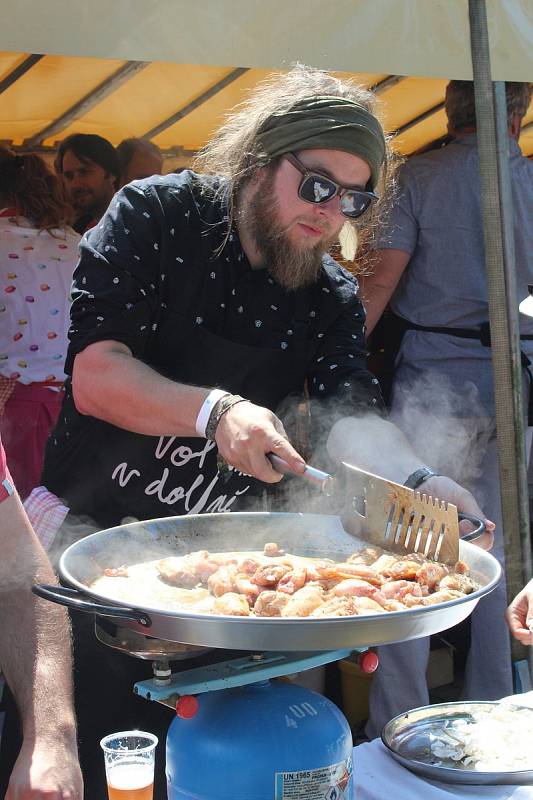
pixel 519 615
pixel 445 489
pixel 46 770
pixel 246 433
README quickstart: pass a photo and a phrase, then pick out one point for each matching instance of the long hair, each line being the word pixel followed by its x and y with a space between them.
pixel 27 184
pixel 234 152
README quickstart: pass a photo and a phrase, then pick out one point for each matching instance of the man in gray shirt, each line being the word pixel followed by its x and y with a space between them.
pixel 430 266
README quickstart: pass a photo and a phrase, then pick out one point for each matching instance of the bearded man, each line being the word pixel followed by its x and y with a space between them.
pixel 201 301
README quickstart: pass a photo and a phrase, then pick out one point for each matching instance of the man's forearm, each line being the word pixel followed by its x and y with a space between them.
pixel 112 385
pixel 35 651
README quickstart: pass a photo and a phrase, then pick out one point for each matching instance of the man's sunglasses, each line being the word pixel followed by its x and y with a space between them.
pixel 316 188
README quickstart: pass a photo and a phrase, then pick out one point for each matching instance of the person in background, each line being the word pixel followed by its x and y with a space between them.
pixel 35 658
pixel 38 252
pixel 519 615
pixel 430 266
pixel 90 169
pixel 139 158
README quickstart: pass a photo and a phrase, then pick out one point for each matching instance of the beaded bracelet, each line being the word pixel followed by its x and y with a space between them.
pixel 223 405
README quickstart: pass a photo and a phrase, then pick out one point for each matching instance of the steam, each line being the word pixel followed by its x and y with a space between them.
pixel 431 423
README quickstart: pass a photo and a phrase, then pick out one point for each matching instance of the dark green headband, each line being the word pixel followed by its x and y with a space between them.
pixel 332 123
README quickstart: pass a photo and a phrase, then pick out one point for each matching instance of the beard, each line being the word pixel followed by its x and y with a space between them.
pixel 291 267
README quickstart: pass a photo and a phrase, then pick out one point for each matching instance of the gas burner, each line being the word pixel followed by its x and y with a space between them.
pixel 145 647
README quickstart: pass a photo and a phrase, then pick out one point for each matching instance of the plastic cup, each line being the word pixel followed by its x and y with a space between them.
pixel 129 765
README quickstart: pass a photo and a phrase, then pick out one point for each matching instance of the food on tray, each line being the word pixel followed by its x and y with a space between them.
pixel 273 583
pixel 496 740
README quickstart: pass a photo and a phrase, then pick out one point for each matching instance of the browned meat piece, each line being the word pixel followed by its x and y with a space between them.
pixel 409 600
pixel 272 549
pixel 269 575
pixel 353 587
pixel 247 565
pixel 330 572
pixel 292 581
pixel 442 596
pixel 116 572
pixel 232 604
pixel 270 604
pixel 244 585
pixel 461 567
pixel 405 570
pixel 336 607
pixel 367 605
pixel 462 583
pixel 187 571
pixel 431 573
pixel 222 581
pixel 384 563
pixel 303 602
pixel 396 590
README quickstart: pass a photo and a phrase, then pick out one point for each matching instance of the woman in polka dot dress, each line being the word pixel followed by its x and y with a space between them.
pixel 38 253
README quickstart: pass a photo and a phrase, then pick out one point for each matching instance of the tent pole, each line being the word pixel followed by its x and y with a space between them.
pixel 496 202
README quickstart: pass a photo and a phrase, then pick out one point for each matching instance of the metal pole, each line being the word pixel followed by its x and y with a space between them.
pixel 496 202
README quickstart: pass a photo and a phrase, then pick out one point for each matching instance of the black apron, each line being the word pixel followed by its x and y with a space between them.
pixel 104 679
pixel 108 473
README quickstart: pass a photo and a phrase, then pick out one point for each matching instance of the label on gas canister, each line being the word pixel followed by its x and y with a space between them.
pixel 327 783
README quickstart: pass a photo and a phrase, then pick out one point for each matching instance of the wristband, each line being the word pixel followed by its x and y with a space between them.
pixel 223 405
pixel 418 477
pixel 207 407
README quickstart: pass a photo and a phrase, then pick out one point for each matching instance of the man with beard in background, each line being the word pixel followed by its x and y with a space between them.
pixel 90 169
pixel 201 302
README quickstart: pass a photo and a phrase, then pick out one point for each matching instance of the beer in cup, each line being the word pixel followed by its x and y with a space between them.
pixel 129 765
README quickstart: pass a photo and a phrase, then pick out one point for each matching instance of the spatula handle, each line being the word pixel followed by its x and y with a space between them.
pixel 310 474
pixel 481 527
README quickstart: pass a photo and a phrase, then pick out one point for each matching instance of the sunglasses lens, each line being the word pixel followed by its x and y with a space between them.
pixel 354 204
pixel 315 189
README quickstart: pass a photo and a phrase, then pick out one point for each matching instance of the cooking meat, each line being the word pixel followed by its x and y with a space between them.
pixel 402 569
pixel 367 605
pixel 116 572
pixel 462 583
pixel 222 581
pixel 303 602
pixel 189 570
pixel 430 574
pixel 397 590
pixel 269 575
pixel 232 604
pixel 292 581
pixel 336 607
pixel 353 587
pixel 270 604
pixel 272 549
pixel 442 596
pixel 280 584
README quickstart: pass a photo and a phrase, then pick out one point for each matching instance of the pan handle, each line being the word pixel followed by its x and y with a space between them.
pixel 310 474
pixel 75 600
pixel 475 534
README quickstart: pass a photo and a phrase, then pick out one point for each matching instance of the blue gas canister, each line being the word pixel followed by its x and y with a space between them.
pixel 265 741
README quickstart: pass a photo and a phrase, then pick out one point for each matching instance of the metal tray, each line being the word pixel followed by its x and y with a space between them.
pixel 407 739
pixel 313 535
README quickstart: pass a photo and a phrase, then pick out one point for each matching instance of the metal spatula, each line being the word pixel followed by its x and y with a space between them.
pixel 388 514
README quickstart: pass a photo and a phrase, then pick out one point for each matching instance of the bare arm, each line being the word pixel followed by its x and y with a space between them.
pixel 378 288
pixel 111 384
pixel 519 615
pixel 35 657
pixel 377 445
